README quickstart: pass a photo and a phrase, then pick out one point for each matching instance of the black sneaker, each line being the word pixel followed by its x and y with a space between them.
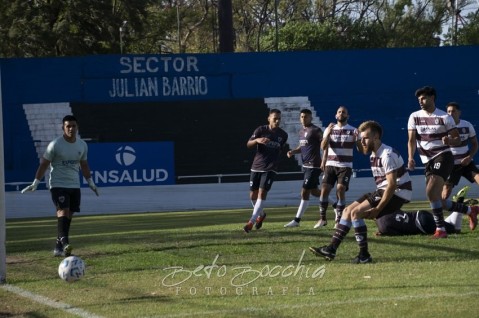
pixel 326 251
pixel 259 221
pixel 362 259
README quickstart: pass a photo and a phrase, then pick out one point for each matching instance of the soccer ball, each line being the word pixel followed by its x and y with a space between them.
pixel 71 269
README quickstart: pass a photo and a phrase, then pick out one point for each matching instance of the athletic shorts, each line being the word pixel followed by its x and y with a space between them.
pixel 263 180
pixel 393 205
pixel 459 171
pixel 311 178
pixel 341 175
pixel 66 198
pixel 441 165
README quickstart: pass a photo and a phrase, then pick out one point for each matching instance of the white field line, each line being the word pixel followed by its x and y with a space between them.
pixel 322 304
pixel 49 302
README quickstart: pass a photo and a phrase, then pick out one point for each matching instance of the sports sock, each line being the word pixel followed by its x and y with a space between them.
pixel 340 233
pixel 456 219
pixel 339 209
pixel 457 207
pixel 62 229
pixel 257 210
pixel 323 206
pixel 361 234
pixel 436 207
pixel 302 208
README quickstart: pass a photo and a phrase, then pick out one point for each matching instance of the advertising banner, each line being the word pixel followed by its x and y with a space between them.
pixel 132 164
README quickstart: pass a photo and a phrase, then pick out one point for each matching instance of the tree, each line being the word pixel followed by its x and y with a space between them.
pixel 72 27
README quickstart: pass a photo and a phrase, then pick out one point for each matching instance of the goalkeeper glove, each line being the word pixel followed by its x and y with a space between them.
pixel 92 186
pixel 32 187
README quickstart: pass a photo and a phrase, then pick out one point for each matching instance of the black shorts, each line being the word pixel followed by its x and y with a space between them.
pixel 311 178
pixel 393 205
pixel 263 180
pixel 341 175
pixel 66 198
pixel 468 172
pixel 440 165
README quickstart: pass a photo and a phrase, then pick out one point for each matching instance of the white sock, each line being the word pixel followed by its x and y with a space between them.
pixel 257 210
pixel 302 208
pixel 456 219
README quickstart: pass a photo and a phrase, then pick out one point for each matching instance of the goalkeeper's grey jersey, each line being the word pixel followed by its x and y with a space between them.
pixel 65 162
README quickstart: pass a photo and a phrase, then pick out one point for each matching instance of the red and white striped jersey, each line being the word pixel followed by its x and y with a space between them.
pixel 466 131
pixel 386 160
pixel 342 141
pixel 430 128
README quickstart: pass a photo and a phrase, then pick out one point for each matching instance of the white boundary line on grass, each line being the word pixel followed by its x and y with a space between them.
pixel 49 302
pixel 322 304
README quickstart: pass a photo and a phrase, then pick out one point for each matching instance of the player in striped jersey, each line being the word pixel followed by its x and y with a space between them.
pixel 433 132
pixel 464 165
pixel 393 189
pixel 338 142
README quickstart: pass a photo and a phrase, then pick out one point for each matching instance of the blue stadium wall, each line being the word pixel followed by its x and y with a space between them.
pixel 207 105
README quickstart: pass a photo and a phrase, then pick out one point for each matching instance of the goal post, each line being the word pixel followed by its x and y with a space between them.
pixel 3 232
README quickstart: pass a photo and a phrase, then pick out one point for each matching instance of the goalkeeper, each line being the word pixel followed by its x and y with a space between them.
pixel 64 156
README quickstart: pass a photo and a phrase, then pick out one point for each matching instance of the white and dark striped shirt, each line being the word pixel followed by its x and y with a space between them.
pixel 342 140
pixel 387 160
pixel 430 128
pixel 466 131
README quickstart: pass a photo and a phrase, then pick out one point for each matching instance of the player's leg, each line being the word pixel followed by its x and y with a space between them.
pixel 61 200
pixel 344 177
pixel 310 183
pixel 469 172
pixel 329 180
pixel 437 171
pixel 254 181
pixel 266 182
pixel 329 251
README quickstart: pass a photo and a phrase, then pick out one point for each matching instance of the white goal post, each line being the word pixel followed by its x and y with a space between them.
pixel 3 232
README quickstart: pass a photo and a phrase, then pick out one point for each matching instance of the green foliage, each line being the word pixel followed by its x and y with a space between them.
pixel 30 28
pixel 130 260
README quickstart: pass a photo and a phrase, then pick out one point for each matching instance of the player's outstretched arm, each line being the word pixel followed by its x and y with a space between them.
pixel 31 187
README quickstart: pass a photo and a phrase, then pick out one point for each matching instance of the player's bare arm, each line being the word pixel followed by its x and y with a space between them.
pixel 411 149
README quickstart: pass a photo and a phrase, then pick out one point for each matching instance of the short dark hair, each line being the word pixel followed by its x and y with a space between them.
pixel 69 118
pixel 454 104
pixel 274 111
pixel 426 90
pixel 306 111
pixel 374 126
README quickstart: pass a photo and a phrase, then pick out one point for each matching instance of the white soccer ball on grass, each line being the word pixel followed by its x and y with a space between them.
pixel 71 269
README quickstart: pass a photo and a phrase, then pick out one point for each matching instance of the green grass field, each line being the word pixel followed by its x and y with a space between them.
pixel 201 264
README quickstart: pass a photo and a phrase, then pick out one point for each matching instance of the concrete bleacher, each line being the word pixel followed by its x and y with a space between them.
pixel 44 121
pixel 290 108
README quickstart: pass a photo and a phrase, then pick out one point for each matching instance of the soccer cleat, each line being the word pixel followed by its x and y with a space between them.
pixel 292 224
pixel 362 259
pixel 259 221
pixel 248 227
pixel 67 250
pixel 320 223
pixel 57 252
pixel 473 217
pixel 326 251
pixel 439 234
pixel 461 193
